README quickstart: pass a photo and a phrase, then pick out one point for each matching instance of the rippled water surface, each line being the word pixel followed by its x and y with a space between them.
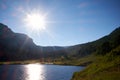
pixel 37 72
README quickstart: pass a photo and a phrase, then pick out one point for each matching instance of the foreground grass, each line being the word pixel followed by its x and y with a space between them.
pixel 103 68
pixel 102 71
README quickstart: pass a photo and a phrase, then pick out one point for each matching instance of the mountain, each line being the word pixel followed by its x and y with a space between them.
pixel 82 50
pixel 102 57
pixel 105 59
pixel 17 47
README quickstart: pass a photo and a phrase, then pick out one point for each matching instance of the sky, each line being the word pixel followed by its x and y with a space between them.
pixel 67 22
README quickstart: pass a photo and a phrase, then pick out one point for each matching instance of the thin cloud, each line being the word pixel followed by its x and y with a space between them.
pixel 3 6
pixel 83 5
pixel 20 9
pixel 27 0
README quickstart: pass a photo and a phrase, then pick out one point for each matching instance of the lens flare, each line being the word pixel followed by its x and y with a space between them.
pixel 35 21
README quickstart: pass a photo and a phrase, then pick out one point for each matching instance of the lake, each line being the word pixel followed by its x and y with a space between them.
pixel 37 72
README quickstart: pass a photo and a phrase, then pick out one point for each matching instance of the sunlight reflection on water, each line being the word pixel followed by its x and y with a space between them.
pixel 35 72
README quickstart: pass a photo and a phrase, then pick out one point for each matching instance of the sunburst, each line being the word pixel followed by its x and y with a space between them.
pixel 35 21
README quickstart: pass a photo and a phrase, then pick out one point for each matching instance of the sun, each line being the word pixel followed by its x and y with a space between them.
pixel 35 21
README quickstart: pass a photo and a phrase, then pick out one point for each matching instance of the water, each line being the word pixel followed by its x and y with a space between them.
pixel 37 72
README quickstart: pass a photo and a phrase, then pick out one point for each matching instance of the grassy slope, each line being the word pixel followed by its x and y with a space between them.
pixel 77 62
pixel 103 68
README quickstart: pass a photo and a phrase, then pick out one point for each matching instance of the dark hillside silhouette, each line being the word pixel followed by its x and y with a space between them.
pixel 17 47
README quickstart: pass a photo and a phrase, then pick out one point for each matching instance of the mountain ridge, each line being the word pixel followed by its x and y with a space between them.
pixel 17 46
pixel 23 45
pixel 102 56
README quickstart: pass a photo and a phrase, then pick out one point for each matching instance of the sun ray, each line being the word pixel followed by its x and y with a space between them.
pixel 35 21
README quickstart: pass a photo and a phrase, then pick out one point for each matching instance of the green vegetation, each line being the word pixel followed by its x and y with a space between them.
pixel 102 57
pixel 105 67
pixel 105 59
pixel 77 62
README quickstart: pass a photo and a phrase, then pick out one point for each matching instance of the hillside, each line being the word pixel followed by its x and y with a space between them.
pixel 105 67
pixel 83 54
pixel 90 47
pixel 102 57
pixel 105 60
pixel 15 46
pixel 20 47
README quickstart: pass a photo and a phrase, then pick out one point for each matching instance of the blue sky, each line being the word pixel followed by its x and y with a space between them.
pixel 70 21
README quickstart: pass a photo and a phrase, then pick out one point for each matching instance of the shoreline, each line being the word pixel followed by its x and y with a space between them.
pixel 28 62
